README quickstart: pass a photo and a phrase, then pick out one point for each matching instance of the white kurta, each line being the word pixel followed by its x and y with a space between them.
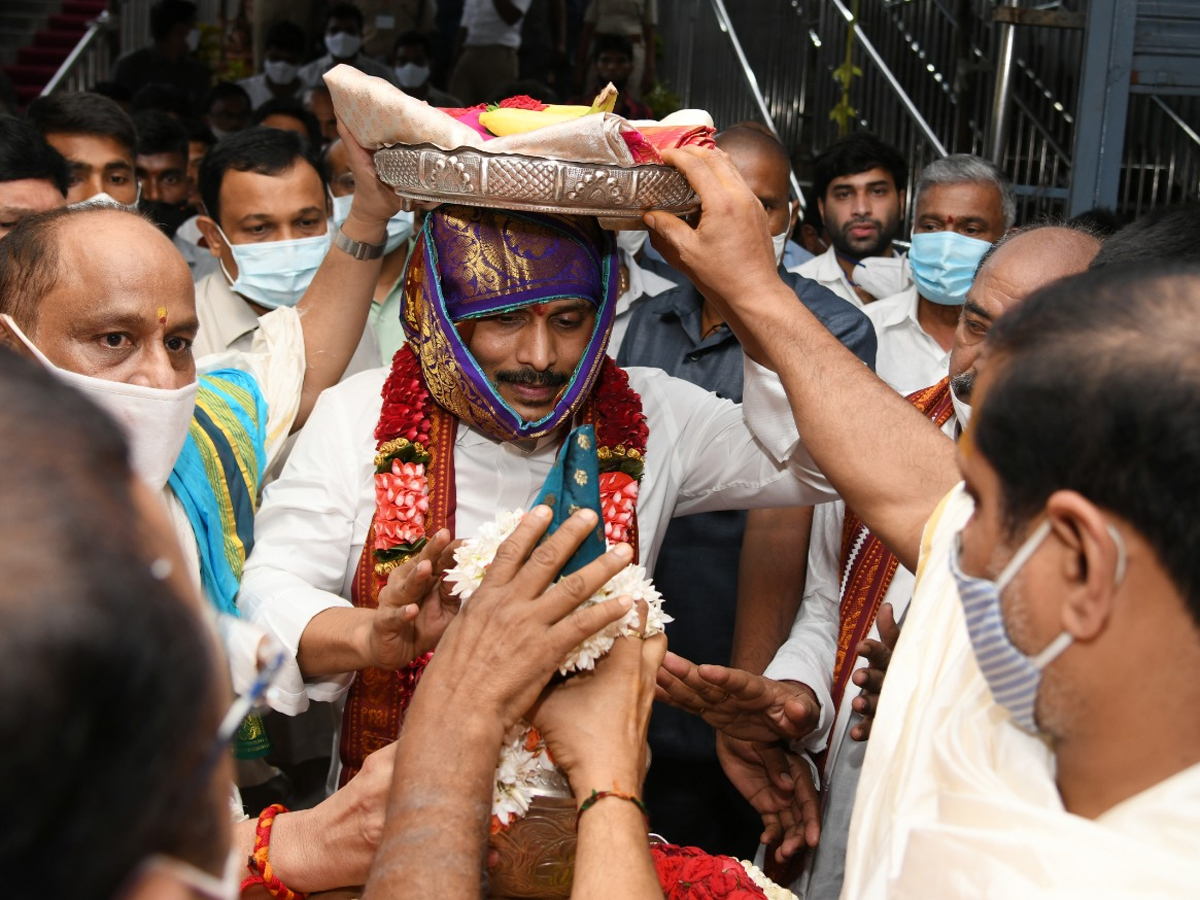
pixel 956 801
pixel 810 652
pixel 826 271
pixel 701 455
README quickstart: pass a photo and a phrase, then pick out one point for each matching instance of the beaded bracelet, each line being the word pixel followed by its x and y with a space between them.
pixel 259 863
pixel 596 796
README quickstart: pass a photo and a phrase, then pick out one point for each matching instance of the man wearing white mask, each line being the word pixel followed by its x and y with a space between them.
pixel 385 310
pixel 97 139
pixel 280 76
pixel 412 58
pixel 268 224
pixel 860 186
pixel 963 205
pixel 343 44
pixel 170 59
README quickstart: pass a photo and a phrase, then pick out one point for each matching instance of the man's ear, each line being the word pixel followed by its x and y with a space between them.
pixel 212 234
pixel 1091 563
pixel 793 217
pixel 821 207
pixel 903 202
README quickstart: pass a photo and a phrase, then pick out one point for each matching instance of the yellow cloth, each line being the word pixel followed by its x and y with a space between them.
pixel 956 801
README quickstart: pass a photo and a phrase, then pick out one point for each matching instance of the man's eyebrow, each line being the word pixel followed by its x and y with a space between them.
pixel 117 165
pixel 970 306
pixel 191 325
pixel 78 167
pixel 104 321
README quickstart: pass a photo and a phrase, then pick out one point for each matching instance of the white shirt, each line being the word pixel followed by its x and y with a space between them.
pixel 825 270
pixel 956 801
pixel 485 28
pixel 187 241
pixel 259 88
pixel 809 653
pixel 314 73
pixel 701 455
pixel 227 322
pixel 642 283
pixel 908 358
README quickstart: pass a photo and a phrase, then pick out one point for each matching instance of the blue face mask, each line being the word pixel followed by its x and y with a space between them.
pixel 399 226
pixel 276 273
pixel 943 265
pixel 1012 677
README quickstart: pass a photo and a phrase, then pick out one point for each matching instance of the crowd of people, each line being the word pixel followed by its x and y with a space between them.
pixel 918 508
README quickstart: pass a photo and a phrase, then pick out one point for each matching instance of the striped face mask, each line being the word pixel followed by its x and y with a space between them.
pixel 1012 676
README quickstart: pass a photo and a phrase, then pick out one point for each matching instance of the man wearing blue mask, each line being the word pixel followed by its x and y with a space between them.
pixel 385 310
pixel 964 203
pixel 268 225
pixel 280 77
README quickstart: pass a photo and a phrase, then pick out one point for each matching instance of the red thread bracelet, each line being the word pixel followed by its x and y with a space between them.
pixel 259 862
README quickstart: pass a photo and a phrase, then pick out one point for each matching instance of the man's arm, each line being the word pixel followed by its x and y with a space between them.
pixel 495 659
pixel 334 310
pixel 770 583
pixel 890 463
pixel 508 11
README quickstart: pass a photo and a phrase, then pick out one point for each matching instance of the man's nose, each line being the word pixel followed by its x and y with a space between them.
pixel 154 367
pixel 536 348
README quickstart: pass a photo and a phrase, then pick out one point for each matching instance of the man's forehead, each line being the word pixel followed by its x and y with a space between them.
pixel 937 199
pixel 252 193
pixel 861 179
pixel 97 149
pixel 31 195
pixel 1031 261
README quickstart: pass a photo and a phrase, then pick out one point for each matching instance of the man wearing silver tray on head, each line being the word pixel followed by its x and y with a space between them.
pixel 507 317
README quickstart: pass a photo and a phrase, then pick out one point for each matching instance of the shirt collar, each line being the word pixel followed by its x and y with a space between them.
pixel 232 315
pixel 898 308
pixel 642 283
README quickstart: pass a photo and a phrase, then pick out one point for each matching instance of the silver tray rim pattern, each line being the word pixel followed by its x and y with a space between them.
pixel 472 177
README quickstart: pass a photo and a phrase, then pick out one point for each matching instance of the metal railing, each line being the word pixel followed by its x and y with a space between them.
pixel 90 61
pixel 1162 153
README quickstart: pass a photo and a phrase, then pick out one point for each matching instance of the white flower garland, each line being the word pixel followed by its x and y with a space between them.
pixel 521 767
pixel 765 884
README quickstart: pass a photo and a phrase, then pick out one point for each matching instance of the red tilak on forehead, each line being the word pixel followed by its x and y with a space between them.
pixel 539 309
pixel 949 220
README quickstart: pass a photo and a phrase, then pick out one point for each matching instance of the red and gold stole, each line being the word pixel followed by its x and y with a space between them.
pixel 867 566
pixel 414 496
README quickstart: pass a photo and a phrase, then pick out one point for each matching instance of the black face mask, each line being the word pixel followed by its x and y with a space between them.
pixel 167 216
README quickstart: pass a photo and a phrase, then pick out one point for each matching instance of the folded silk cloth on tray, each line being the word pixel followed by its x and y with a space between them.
pixel 379 114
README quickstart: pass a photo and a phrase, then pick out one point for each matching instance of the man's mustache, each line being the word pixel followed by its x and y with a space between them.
pixel 533 378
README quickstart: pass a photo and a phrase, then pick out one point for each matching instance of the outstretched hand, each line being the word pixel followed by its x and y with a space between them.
pixel 870 678
pixel 414 608
pixel 504 645
pixel 594 723
pixel 741 704
pixel 779 785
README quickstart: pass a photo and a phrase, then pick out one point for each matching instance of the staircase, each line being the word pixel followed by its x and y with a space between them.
pixel 37 36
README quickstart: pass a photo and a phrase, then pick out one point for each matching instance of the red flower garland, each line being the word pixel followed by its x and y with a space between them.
pixel 688 873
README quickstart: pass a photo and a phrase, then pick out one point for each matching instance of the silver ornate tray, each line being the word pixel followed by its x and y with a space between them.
pixel 475 178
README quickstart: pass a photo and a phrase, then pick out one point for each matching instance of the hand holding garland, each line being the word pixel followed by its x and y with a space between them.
pixel 494 659
pixel 594 724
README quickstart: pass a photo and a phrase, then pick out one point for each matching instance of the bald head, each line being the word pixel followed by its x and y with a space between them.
pixel 101 291
pixel 1020 263
pixel 764 165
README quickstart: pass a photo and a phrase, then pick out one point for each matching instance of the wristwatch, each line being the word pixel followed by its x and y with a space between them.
pixel 357 249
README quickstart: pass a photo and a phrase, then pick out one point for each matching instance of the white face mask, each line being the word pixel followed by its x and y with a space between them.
pixel 632 242
pixel 962 411
pixel 280 71
pixel 411 75
pixel 193 40
pixel 883 276
pixel 342 45
pixel 780 242
pixel 276 273
pixel 155 420
pixel 106 199
pixel 399 226
pixel 207 885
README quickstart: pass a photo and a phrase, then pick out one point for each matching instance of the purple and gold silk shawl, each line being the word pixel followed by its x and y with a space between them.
pixel 470 262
